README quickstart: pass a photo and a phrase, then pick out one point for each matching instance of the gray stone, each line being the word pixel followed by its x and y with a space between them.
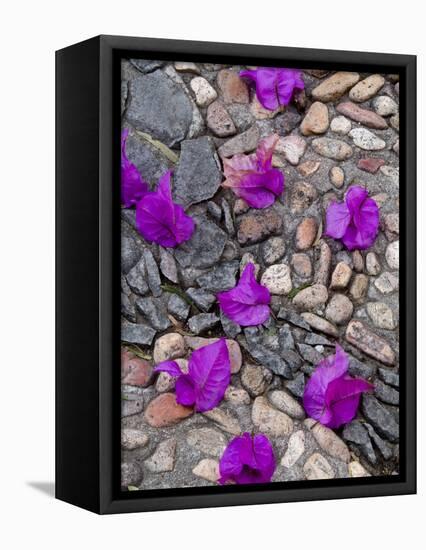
pixel 242 143
pixel 285 338
pixel 385 105
pixel 127 308
pixel 207 441
pixel 385 393
pixel 332 148
pixel 131 474
pixel 364 139
pixel 227 215
pixel 152 273
pixel 154 311
pixel 389 377
pixel 137 278
pixel 230 328
pixel 360 369
pixel 309 354
pixel 380 417
pixel 137 334
pixel 202 299
pixel 160 107
pixel 146 65
pixel 205 246
pixel 313 339
pixel 163 458
pixel 297 385
pixel 178 307
pixel 271 360
pixel 356 433
pixel 168 265
pixel 202 322
pixel 384 447
pixel 198 173
pixel 148 159
pixel 133 439
pixel 292 318
pixel 214 210
pixel 130 254
pixel 222 277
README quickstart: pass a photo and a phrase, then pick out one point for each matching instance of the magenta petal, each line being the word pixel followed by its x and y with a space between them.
pixel 331 396
pixel 160 220
pixel 210 372
pixel 266 88
pixel 247 459
pixel 288 80
pixel 354 198
pixel 185 391
pixel 247 303
pixel 274 86
pixel 337 220
pixel 171 367
pixel 260 190
pixel 342 398
pixel 265 150
pixel 133 188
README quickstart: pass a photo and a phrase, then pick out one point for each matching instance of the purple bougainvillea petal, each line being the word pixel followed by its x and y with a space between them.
pixel 186 392
pixel 171 367
pixel 247 303
pixel 338 219
pixel 210 372
pixel 342 398
pixel 331 396
pixel 355 221
pixel 133 187
pixel 160 220
pixel 274 86
pixel 252 178
pixel 288 80
pixel 246 460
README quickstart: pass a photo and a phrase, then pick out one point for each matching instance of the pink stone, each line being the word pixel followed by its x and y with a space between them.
pixel 370 164
pixel 134 371
pixel 163 411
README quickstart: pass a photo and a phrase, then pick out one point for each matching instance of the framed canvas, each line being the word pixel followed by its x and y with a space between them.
pixel 235 321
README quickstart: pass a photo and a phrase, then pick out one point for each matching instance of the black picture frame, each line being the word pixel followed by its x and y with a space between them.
pixel 87 274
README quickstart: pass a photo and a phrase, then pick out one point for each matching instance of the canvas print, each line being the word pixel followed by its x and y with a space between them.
pixel 259 274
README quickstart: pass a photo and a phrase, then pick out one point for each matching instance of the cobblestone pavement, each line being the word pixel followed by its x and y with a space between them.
pixel 342 130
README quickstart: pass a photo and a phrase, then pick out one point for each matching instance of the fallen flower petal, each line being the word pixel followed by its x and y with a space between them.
pixel 331 396
pixel 252 178
pixel 160 220
pixel 247 303
pixel 274 86
pixel 247 459
pixel 133 187
pixel 209 373
pixel 355 221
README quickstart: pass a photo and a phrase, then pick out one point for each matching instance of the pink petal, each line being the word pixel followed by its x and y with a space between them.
pixel 210 371
pixel 265 150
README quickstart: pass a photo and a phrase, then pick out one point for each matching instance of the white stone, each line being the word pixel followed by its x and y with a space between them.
pixel 277 279
pixel 385 105
pixel 357 470
pixel 372 263
pixel 292 147
pixel 207 469
pixel 317 467
pixel 295 449
pixel 392 255
pixel 340 125
pixel 381 315
pixel 169 346
pixel 387 282
pixel 364 139
pixel 132 439
pixel 163 459
pixel 204 92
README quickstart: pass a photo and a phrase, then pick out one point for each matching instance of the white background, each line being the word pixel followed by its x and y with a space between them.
pixel 30 31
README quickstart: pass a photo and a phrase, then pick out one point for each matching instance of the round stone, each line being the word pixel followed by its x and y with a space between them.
pixel 269 420
pixel 337 176
pixel 385 105
pixel 207 440
pixel 367 88
pixel 133 439
pixel 341 276
pixel 163 411
pixel 169 346
pixel 306 233
pixel 364 139
pixel 302 265
pixel 316 120
pixel 310 298
pixel 295 449
pixel 359 287
pixel 287 404
pixel 273 250
pixel 339 309
pixel 372 263
pixel 277 279
pixel 255 379
pixel 207 469
pixel 387 282
pixel 340 125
